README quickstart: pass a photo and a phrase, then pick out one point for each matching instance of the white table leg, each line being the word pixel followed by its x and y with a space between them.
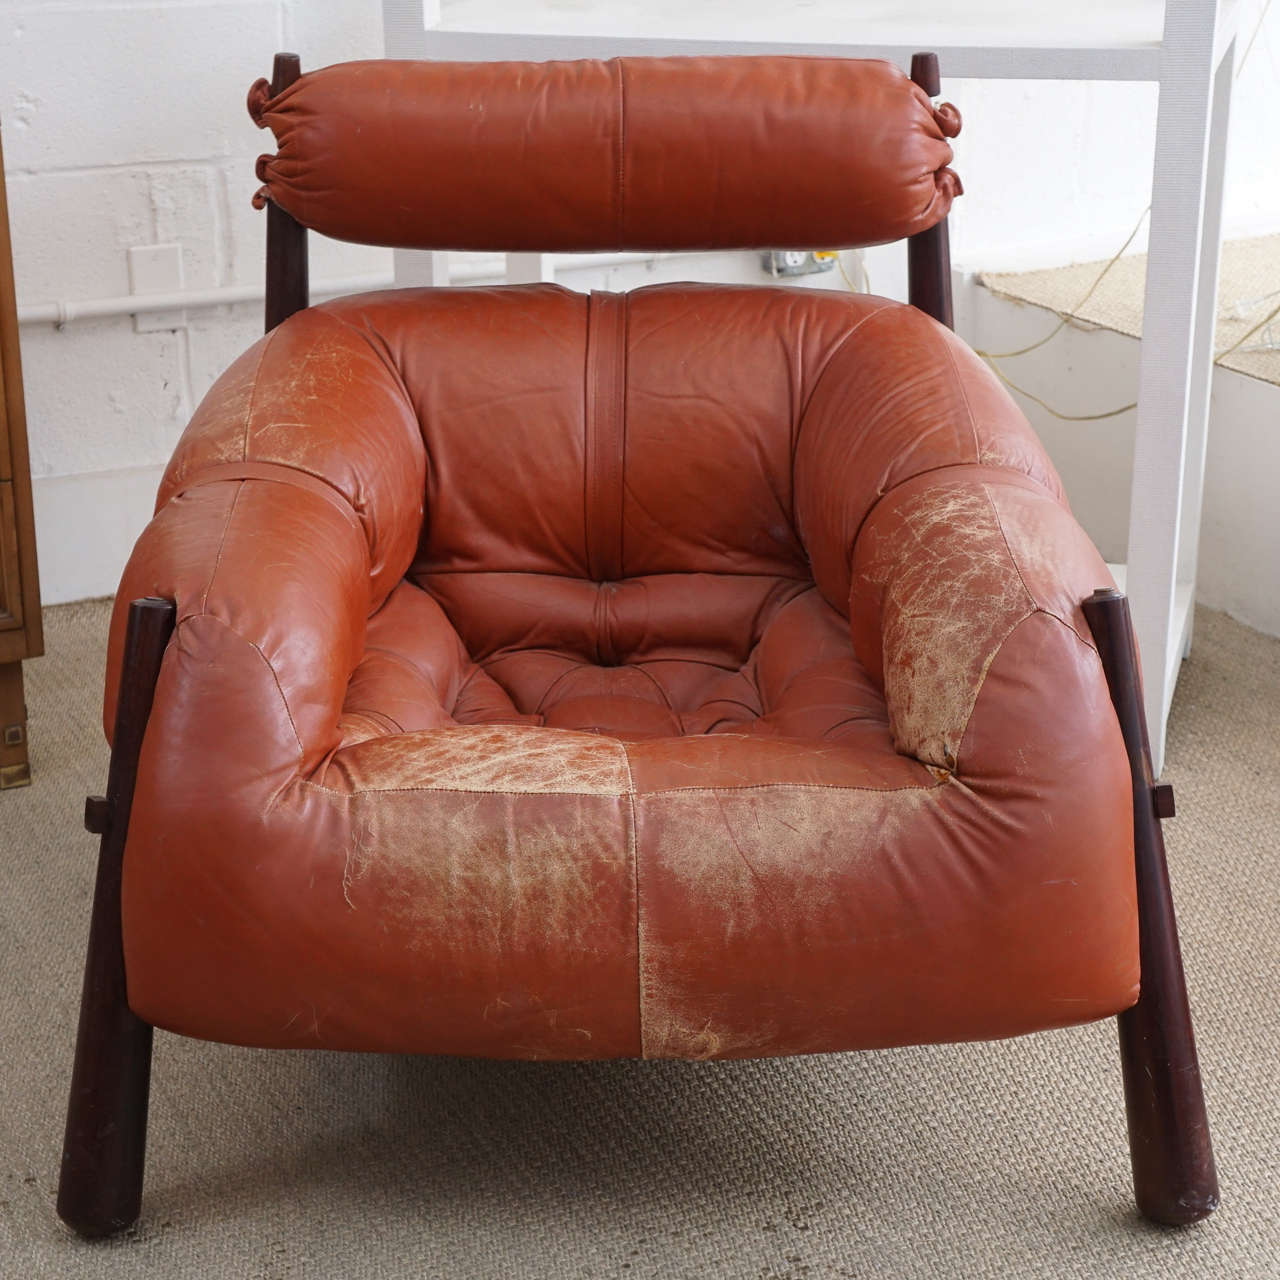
pixel 405 24
pixel 1205 327
pixel 1170 316
pixel 418 267
pixel 529 268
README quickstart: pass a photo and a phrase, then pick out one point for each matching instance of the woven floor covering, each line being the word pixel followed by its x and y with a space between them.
pixel 986 1160
pixel 1248 288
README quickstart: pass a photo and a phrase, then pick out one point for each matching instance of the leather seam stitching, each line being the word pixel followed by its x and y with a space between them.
pixel 804 413
pixel 275 679
pixel 604 413
pixel 964 399
pixel 376 714
pixel 588 406
pixel 464 684
pixel 600 623
pixel 795 786
pixel 620 792
pixel 662 693
pixel 1070 626
pixel 631 577
pixel 623 350
pixel 253 393
pixel 635 873
pixel 726 700
pixel 222 542
pixel 207 476
pixel 1014 477
pixel 1004 537
pixel 376 343
pixel 336 793
pixel 1035 604
pixel 1087 644
pixel 550 689
pixel 822 373
pixel 622 150
pixel 982 679
pixel 501 655
pixel 1048 613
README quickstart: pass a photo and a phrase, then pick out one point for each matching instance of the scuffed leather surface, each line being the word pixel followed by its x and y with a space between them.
pixel 636 153
pixel 697 673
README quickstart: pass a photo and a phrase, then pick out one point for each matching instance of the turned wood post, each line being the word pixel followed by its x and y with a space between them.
pixel 100 1188
pixel 1174 1177
pixel 929 252
pixel 288 282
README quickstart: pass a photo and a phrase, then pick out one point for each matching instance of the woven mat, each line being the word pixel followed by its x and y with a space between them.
pixel 1249 286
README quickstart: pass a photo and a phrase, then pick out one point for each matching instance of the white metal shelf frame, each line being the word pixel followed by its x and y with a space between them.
pixel 1187 47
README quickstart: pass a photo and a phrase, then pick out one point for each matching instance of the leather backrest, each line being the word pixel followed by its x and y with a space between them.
pixel 635 153
pixel 601 480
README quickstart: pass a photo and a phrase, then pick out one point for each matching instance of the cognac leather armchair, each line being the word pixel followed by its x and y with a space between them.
pixel 702 672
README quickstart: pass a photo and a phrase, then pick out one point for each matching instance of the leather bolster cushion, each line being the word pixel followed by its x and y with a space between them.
pixel 964 869
pixel 636 153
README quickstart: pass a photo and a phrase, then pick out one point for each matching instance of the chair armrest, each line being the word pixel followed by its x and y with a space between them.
pixel 945 568
pixel 291 508
pixel 281 572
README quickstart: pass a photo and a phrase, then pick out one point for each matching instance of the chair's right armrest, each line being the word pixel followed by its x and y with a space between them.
pixel 945 569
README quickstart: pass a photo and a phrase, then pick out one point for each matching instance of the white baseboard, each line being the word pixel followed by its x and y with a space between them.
pixel 86 526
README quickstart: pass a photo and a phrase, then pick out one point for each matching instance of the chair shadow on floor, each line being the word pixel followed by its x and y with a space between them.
pixel 839 1135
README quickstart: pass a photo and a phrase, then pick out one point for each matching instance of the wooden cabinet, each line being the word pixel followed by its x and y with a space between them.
pixel 21 634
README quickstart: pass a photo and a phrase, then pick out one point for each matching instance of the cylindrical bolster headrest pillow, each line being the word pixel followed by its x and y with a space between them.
pixel 636 153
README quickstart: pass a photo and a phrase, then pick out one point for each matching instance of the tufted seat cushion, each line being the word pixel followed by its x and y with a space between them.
pixel 691 673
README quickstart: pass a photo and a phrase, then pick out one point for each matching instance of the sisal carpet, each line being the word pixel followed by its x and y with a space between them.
pixel 975 1160
pixel 1248 287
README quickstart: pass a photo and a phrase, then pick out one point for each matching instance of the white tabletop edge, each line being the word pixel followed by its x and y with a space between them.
pixel 1121 62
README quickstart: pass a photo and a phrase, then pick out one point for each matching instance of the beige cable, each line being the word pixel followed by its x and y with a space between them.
pixel 1048 408
pixel 866 275
pixel 1065 317
pixel 1244 337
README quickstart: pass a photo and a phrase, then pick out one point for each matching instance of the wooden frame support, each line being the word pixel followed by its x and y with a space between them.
pixel 929 252
pixel 1176 358
pixel 1174 1177
pixel 100 1188
pixel 15 768
pixel 288 276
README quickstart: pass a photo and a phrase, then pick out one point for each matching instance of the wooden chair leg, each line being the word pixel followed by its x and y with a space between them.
pixel 100 1188
pixel 1174 1177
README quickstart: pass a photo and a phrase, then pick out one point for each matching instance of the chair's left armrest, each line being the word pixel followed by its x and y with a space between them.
pixel 288 513
pixel 276 568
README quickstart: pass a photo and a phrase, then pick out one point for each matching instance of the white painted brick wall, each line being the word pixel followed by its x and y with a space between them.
pixel 125 124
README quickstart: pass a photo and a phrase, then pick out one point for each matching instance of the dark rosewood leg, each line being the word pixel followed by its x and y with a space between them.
pixel 1173 1171
pixel 100 1188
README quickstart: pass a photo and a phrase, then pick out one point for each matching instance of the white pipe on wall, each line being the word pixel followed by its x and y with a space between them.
pixel 63 311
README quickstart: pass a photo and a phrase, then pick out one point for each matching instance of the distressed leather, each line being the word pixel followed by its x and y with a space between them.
pixel 697 673
pixel 635 153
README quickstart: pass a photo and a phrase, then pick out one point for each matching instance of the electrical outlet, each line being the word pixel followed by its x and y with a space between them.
pixel 156 268
pixel 797 262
